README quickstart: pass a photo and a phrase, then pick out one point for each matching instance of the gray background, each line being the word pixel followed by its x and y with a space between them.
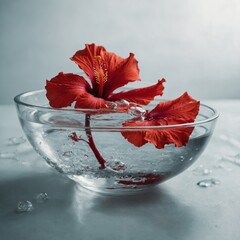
pixel 194 44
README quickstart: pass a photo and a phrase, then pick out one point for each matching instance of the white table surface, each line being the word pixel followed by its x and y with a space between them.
pixel 177 209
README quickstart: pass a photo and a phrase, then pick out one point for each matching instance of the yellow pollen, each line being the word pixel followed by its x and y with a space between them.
pixel 100 73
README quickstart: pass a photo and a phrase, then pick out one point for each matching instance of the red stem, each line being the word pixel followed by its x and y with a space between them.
pixel 91 143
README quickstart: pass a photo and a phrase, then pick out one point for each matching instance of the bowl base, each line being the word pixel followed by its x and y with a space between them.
pixel 110 187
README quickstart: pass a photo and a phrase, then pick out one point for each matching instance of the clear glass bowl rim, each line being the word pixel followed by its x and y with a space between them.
pixel 17 100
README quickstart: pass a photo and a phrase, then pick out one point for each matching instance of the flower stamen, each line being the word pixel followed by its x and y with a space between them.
pixel 100 73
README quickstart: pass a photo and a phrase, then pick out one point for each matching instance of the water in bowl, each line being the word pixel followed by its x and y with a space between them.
pixel 128 167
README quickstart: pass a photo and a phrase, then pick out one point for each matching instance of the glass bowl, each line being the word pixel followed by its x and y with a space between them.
pixel 61 137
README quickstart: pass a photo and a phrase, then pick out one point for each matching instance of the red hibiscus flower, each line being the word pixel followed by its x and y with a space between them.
pixel 179 111
pixel 107 72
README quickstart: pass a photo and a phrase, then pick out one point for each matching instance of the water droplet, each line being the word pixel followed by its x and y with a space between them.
pixel 208 183
pixel 235 159
pixel 222 166
pixel 231 141
pixel 7 155
pixel 41 197
pixel 16 140
pixel 137 111
pixel 201 171
pixel 25 206
pixel 85 156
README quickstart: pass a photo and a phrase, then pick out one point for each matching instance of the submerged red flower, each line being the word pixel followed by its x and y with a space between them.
pixel 179 111
pixel 107 72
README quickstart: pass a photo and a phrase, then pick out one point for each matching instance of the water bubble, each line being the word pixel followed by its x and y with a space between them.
pixel 208 183
pixel 116 166
pixel 137 111
pixel 68 154
pixel 16 140
pixel 41 197
pixel 86 168
pixel 201 171
pixel 25 206
pixel 112 105
pixel 137 179
pixel 7 155
pixel 122 103
pixel 182 158
pixel 89 135
pixel 118 105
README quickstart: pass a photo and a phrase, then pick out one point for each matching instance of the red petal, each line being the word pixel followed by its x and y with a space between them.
pixel 64 89
pixel 85 58
pixel 177 136
pixel 181 110
pixel 142 96
pixel 87 100
pixel 137 138
pixel 121 71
